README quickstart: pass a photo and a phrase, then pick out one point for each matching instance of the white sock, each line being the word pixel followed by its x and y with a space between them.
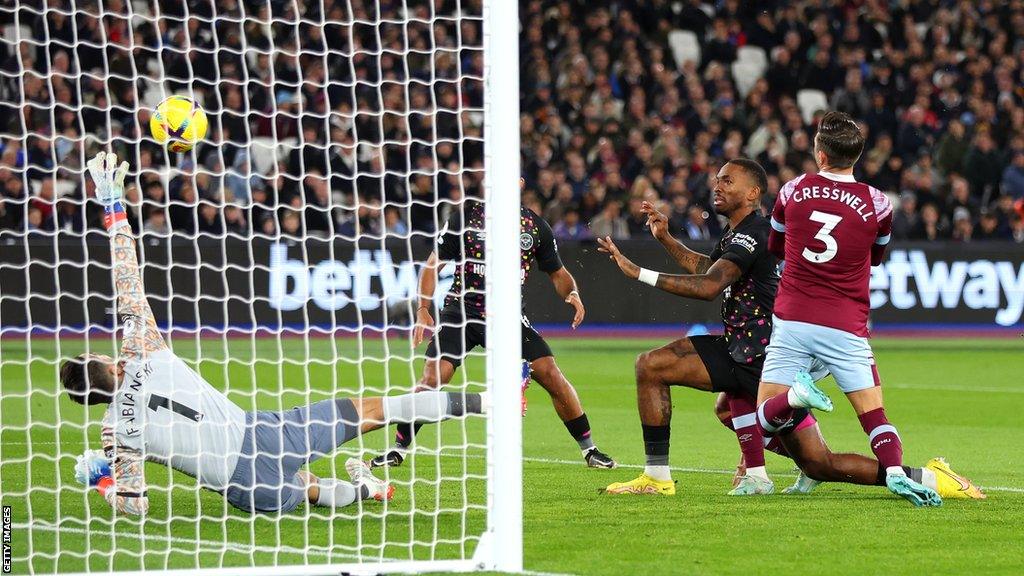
pixel 659 473
pixel 336 493
pixel 928 479
pixel 794 401
pixel 896 470
pixel 758 471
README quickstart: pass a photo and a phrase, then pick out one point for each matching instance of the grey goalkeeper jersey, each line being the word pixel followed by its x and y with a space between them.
pixel 169 414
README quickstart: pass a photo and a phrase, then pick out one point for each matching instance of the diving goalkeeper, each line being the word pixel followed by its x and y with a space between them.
pixel 161 410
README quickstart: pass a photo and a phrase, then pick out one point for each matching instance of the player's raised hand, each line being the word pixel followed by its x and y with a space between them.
pixel 423 321
pixel 656 220
pixel 573 299
pixel 108 177
pixel 625 264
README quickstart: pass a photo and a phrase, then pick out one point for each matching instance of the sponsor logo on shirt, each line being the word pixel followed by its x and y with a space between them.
pixel 745 241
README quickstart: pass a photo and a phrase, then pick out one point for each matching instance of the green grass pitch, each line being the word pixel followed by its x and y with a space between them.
pixel 959 399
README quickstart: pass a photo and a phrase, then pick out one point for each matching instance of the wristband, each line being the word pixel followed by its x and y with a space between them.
pixel 576 292
pixel 114 215
pixel 649 277
pixel 105 483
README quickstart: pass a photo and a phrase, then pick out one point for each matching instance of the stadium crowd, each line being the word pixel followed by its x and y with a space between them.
pixel 621 101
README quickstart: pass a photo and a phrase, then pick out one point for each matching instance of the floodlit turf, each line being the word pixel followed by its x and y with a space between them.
pixel 957 399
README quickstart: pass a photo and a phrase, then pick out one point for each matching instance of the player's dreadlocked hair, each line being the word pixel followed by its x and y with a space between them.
pixel 840 139
pixel 754 170
pixel 85 380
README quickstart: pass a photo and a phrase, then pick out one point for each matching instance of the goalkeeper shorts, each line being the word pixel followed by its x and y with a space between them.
pixel 277 444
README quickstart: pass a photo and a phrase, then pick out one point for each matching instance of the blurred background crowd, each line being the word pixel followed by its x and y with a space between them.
pixel 361 124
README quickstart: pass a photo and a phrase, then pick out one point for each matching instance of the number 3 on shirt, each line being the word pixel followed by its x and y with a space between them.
pixel 828 224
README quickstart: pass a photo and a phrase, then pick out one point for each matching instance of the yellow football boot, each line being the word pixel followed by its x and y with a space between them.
pixel 643 484
pixel 950 484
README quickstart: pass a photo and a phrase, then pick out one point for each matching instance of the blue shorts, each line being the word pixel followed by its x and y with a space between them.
pixel 796 346
pixel 277 444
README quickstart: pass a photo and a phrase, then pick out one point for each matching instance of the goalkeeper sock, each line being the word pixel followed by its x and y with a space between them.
pixel 429 406
pixel 579 428
pixel 656 442
pixel 336 493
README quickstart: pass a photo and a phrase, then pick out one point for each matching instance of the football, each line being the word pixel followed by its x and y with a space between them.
pixel 178 123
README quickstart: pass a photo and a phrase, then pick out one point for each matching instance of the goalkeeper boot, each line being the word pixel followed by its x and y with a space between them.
pixel 950 484
pixel 642 484
pixel 753 485
pixel 392 459
pixel 804 485
pixel 361 476
pixel 597 459
pixel 917 494
pixel 808 393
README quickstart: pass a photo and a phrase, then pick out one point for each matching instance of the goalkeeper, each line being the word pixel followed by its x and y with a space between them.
pixel 161 410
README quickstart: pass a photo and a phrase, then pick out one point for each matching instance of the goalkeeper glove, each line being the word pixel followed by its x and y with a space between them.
pixel 91 468
pixel 109 180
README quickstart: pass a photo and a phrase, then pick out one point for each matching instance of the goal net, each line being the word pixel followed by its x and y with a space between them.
pixel 280 257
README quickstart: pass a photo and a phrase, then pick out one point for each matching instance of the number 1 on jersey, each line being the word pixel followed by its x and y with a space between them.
pixel 156 402
pixel 828 224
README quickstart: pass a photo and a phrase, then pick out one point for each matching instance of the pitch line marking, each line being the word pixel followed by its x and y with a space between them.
pixel 211 546
pixel 538 460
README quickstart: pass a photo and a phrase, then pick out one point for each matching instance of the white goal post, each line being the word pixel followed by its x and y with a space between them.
pixel 272 318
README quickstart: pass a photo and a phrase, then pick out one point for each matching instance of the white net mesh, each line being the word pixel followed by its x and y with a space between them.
pixel 280 255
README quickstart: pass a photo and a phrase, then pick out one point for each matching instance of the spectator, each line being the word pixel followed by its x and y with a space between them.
pixel 983 166
pixel 156 223
pixel 963 229
pixel 914 136
pixel 393 224
pixel 1013 176
pixel 571 228
pixel 610 222
pixel 960 199
pixel 851 98
pixel 905 219
pixel 953 147
pixel 209 221
pixel 930 226
pixel 989 228
pixel 696 225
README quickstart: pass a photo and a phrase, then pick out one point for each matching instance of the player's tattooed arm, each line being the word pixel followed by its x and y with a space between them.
pixel 129 493
pixel 707 286
pixel 140 335
pixel 690 261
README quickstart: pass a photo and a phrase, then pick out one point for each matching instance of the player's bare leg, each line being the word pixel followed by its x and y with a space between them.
pixel 675 364
pixel 567 405
pixel 724 415
pixel 776 409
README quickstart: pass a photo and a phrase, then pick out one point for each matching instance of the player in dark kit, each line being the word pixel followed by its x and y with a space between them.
pixel 742 268
pixel 462 325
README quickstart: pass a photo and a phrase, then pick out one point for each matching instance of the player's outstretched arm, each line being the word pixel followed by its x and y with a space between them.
pixel 140 334
pixel 566 287
pixel 690 261
pixel 706 286
pixel 125 489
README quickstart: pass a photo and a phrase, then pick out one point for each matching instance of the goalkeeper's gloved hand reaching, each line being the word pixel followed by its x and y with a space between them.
pixel 91 467
pixel 109 180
